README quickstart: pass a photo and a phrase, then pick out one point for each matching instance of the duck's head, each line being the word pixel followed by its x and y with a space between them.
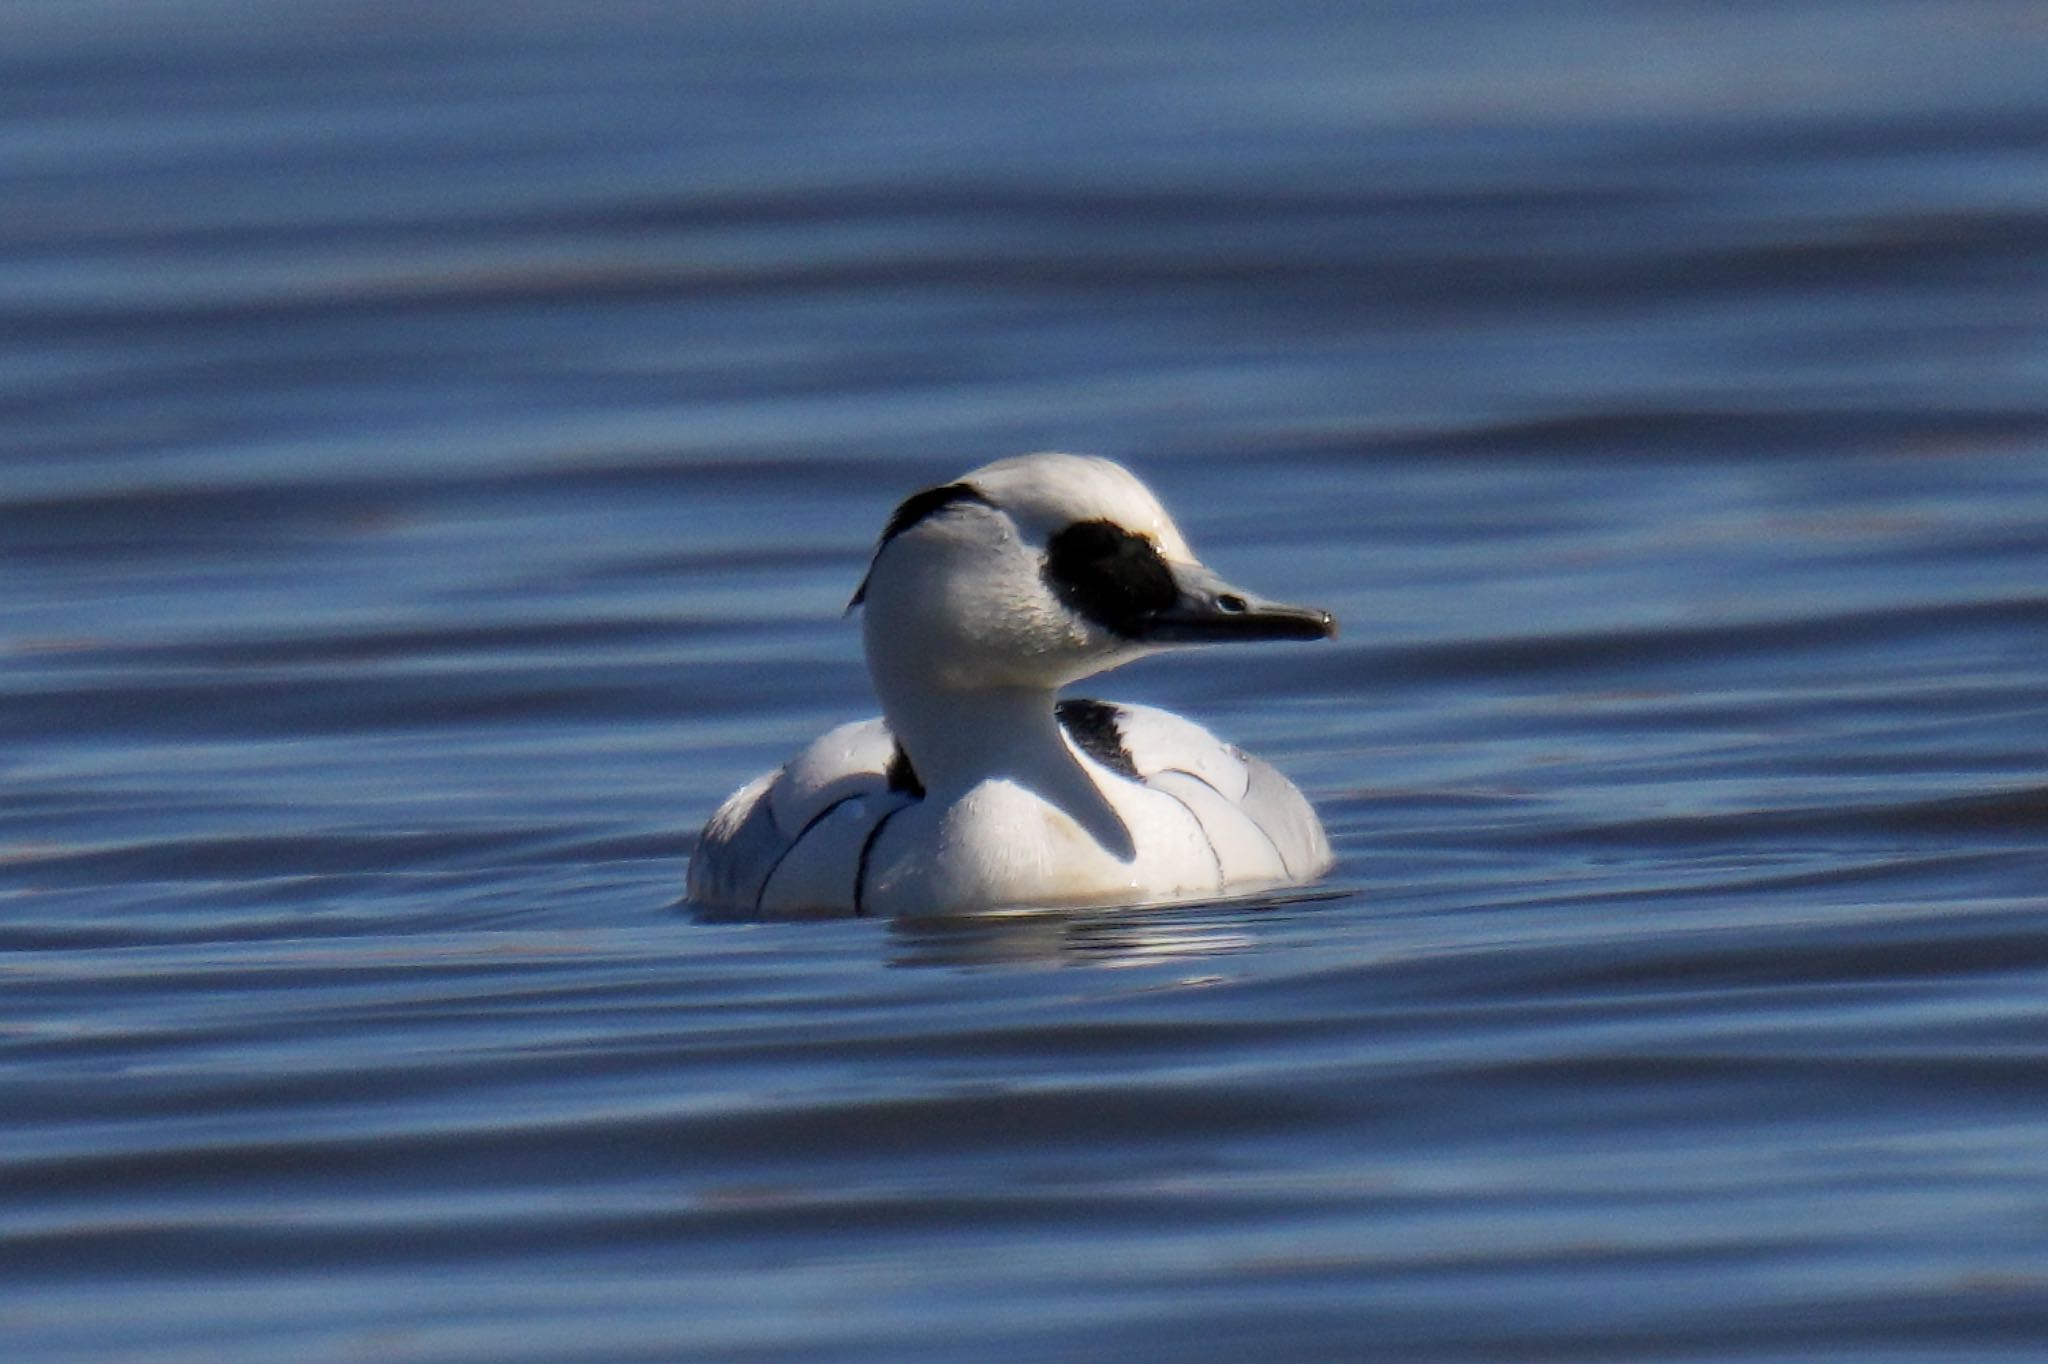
pixel 1037 571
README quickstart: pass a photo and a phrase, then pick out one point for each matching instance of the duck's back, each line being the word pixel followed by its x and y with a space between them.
pixel 791 843
pixel 1260 826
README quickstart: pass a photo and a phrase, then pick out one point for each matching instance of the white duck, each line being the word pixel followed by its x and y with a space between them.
pixel 977 787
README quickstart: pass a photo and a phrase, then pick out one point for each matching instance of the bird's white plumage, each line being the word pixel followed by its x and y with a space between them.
pixel 983 599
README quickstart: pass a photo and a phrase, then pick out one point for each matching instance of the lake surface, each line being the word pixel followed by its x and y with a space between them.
pixel 437 444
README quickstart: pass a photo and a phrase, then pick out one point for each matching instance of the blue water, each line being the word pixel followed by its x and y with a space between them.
pixel 437 443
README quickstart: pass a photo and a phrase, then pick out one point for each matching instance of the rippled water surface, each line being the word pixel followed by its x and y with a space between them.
pixel 437 443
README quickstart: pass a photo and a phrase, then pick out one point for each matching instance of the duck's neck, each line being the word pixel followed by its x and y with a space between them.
pixel 956 740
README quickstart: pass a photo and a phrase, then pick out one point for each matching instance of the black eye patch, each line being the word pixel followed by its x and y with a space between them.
pixel 1113 576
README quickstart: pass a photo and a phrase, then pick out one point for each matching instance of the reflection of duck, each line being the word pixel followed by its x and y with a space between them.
pixel 1105 935
pixel 978 788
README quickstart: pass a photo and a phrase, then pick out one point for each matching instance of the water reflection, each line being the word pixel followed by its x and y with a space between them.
pixel 1096 937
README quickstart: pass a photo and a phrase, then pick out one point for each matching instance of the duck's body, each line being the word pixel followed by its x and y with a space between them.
pixel 979 788
pixel 834 832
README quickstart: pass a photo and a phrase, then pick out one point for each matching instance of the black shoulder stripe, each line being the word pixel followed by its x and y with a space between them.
pixel 914 509
pixel 1092 725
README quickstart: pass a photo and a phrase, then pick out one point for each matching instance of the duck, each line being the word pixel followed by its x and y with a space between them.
pixel 980 787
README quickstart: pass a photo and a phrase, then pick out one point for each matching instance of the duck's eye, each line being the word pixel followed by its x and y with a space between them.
pixel 1113 576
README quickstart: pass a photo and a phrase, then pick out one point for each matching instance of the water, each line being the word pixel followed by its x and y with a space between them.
pixel 439 442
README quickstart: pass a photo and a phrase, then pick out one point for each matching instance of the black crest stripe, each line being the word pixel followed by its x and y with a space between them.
pixel 914 509
pixel 918 506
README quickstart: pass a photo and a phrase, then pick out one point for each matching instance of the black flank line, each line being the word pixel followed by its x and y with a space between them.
pixel 867 847
pixel 1271 841
pixel 809 824
pixel 1207 841
pixel 1198 777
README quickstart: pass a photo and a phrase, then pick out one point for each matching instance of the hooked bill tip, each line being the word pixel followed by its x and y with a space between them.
pixel 1312 623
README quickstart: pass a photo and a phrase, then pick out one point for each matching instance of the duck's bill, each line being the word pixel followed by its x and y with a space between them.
pixel 1208 610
